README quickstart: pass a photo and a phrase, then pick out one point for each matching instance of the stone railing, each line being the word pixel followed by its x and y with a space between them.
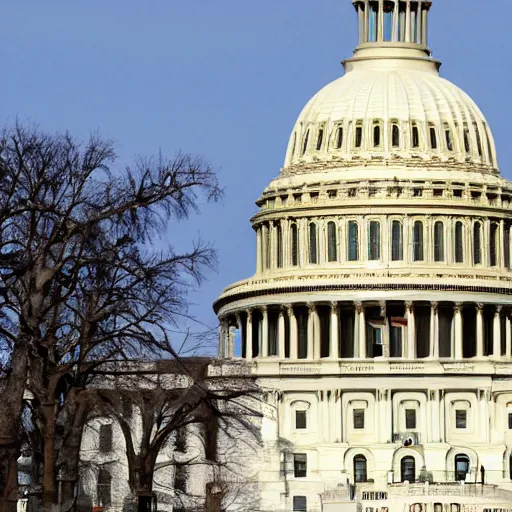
pixel 449 489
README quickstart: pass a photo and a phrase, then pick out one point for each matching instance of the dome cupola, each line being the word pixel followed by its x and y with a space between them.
pixel 391 108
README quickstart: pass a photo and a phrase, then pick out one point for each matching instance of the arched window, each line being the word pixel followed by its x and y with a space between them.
pixel 279 235
pixel 359 136
pixel 448 137
pixel 397 244
pixel 295 244
pixel 305 144
pixel 294 145
pixel 408 469
pixel 459 242
pixel 360 469
pixel 418 241
pixel 313 244
pixel 353 241
pixel 478 139
pixel 376 136
pixel 415 137
pixel 493 245
pixel 339 137
pixel 104 488
pixel 320 139
pixel 467 145
pixel 433 138
pixel 477 243
pixel 374 240
pixel 395 136
pixel 332 242
pixel 438 241
pixel 461 467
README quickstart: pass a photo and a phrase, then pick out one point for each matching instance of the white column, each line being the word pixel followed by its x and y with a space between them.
pixel 334 338
pixel 434 330
pixel 281 335
pixel 424 33
pixel 311 331
pixel 366 20
pixel 479 330
pixel 325 407
pixel 248 336
pixel 508 326
pixel 259 262
pixel 389 416
pixel 457 311
pixel 264 333
pixel 395 36
pixel 434 415
pixel 380 25
pixel 442 414
pixel 428 414
pixel 411 330
pixel 265 259
pixel 496 333
pixel 338 423
pixel 408 22
pixel 501 248
pixel 361 330
pixel 294 338
pixel 316 335
pixel 360 18
pixel 223 337
pixel 419 23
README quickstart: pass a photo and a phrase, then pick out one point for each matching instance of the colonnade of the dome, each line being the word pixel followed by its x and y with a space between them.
pixel 392 241
pixel 393 21
pixel 369 329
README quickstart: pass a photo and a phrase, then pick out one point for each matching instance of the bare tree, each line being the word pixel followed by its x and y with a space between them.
pixel 80 280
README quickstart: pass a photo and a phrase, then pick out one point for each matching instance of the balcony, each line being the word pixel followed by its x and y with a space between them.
pixel 449 489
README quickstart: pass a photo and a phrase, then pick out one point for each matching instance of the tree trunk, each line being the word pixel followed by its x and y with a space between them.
pixel 50 495
pixel 11 408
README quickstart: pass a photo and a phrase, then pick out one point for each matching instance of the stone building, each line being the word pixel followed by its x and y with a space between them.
pixel 379 316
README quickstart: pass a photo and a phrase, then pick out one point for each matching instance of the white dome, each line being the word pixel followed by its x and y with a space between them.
pixel 392 112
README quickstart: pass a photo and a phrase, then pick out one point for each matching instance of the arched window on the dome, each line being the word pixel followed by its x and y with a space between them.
pixel 320 139
pixel 493 245
pixel 294 143
pixel 448 138
pixel 477 243
pixel 433 138
pixel 459 242
pixel 489 144
pixel 332 242
pixel 467 145
pixel 339 137
pixel 353 241
pixel 305 143
pixel 418 249
pixel 279 248
pixel 439 241
pixel 358 142
pixel 397 244
pixel 415 136
pixel 313 243
pixel 295 244
pixel 376 135
pixel 374 240
pixel 360 469
pixel 478 140
pixel 395 136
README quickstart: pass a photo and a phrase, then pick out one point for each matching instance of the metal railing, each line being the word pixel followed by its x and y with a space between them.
pixel 449 489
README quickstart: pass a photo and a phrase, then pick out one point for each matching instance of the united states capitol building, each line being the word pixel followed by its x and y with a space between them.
pixel 379 316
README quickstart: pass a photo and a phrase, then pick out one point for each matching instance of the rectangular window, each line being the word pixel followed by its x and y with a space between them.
pixel 374 241
pixel 300 420
pixel 461 419
pixel 510 420
pixel 300 465
pixel 359 418
pixel 353 241
pixel 410 419
pixel 300 504
pixel 105 438
pixel 359 136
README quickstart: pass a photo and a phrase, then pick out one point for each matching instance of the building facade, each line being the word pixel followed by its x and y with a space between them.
pixel 379 317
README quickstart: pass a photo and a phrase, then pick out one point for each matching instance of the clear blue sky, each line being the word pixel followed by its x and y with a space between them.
pixel 225 79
